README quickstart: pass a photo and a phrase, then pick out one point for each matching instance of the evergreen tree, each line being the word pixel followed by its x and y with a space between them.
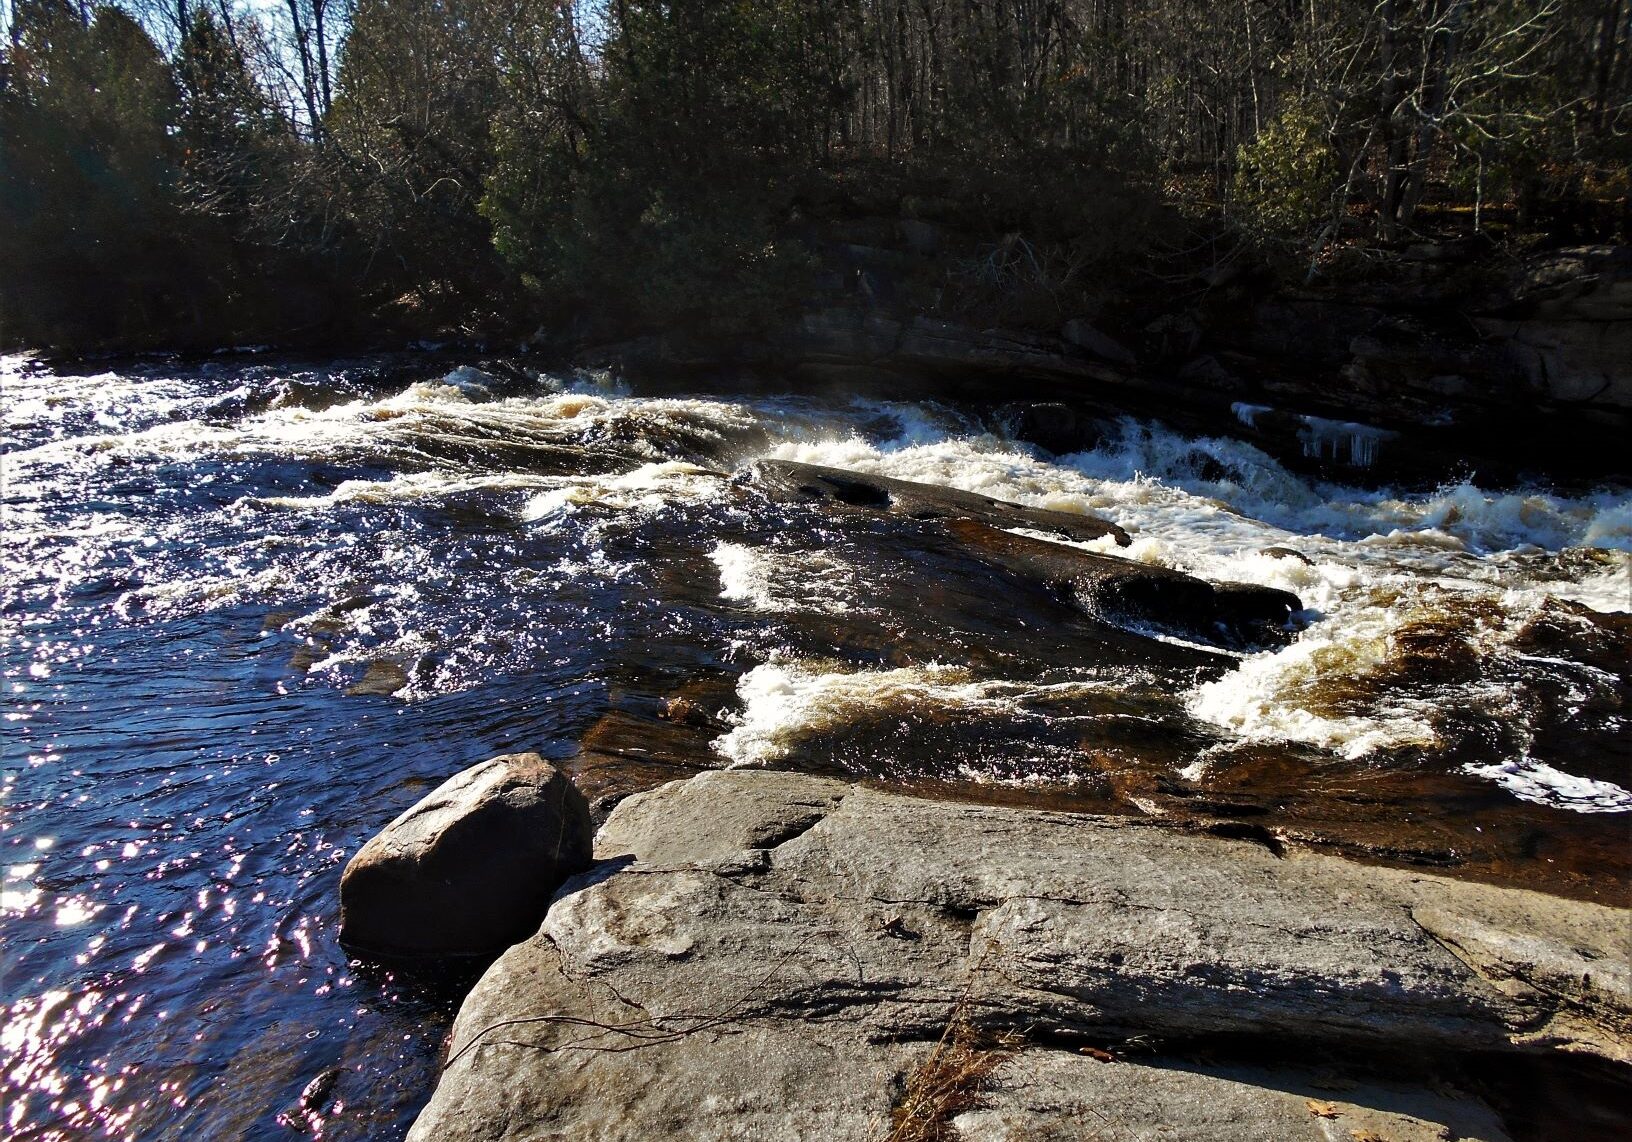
pixel 417 90
pixel 88 168
pixel 240 192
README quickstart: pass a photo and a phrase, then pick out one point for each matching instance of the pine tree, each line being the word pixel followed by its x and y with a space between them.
pixel 88 208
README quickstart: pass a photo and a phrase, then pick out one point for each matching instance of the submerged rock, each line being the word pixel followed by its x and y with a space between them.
pixel 1055 426
pixel 468 870
pixel 788 480
pixel 381 678
pixel 1288 553
pixel 1160 598
pixel 1154 600
pixel 775 955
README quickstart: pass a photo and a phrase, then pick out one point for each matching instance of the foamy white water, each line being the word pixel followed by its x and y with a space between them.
pixel 779 581
pixel 785 701
pixel 253 609
pixel 1372 562
pixel 650 487
pixel 1539 782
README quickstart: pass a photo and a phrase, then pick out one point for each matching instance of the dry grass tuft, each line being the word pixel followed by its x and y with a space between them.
pixel 953 1079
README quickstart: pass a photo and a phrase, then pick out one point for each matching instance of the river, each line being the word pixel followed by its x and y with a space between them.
pixel 253 609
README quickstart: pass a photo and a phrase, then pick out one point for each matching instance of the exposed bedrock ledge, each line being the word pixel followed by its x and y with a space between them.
pixel 1107 587
pixel 1443 368
pixel 839 487
pixel 769 955
pixel 1143 594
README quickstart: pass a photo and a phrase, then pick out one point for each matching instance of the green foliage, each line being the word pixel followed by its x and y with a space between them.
pixel 144 202
pixel 417 90
pixel 659 206
pixel 238 160
pixel 705 166
pixel 87 178
pixel 1285 178
pixel 231 137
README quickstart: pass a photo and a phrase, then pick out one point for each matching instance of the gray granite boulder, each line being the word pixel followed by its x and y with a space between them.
pixel 470 869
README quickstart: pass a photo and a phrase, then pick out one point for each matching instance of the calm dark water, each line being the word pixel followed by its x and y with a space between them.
pixel 252 611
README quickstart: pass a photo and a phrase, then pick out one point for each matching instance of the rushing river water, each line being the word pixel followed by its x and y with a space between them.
pixel 252 611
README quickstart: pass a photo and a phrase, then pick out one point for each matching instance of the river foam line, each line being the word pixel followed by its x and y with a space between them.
pixel 786 701
pixel 1536 781
pixel 1217 508
pixel 1367 566
pixel 780 581
pixel 1267 697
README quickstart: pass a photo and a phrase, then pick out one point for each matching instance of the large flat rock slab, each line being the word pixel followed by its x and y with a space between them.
pixel 768 955
pixel 1058 1096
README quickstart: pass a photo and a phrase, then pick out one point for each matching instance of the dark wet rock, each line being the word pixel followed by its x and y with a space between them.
pixel 469 869
pixel 381 678
pixel 663 714
pixel 1116 591
pixel 1406 817
pixel 809 483
pixel 351 603
pixel 305 1115
pixel 308 654
pixel 772 955
pixel 1600 639
pixel 1097 344
pixel 686 712
pixel 630 751
pixel 1208 467
pixel 1125 591
pixel 1054 426
pixel 1288 553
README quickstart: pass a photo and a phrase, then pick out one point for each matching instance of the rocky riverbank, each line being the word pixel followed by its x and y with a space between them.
pixel 1448 362
pixel 763 954
pixel 263 608
pixel 1445 361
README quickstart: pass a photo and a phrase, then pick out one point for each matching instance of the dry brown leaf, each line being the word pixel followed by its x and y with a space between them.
pixel 1360 1134
pixel 1322 1109
pixel 1096 1053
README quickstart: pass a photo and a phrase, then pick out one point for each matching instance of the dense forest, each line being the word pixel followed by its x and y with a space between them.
pixel 203 172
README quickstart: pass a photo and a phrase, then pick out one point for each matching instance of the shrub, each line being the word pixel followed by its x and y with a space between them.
pixel 1285 177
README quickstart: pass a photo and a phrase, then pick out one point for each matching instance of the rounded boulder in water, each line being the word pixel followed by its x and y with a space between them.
pixel 471 868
